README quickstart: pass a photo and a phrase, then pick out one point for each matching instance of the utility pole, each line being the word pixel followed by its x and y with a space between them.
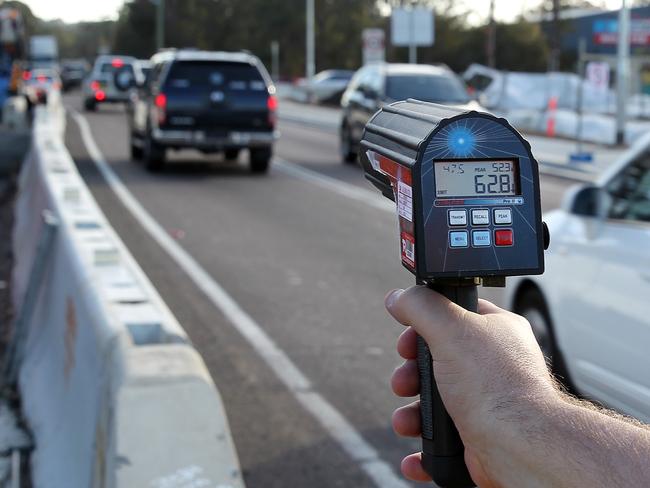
pixel 554 60
pixel 160 25
pixel 622 70
pixel 310 67
pixel 491 38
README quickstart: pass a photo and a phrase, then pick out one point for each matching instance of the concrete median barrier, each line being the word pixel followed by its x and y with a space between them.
pixel 111 389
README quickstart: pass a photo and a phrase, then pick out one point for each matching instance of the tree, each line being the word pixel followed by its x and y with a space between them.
pixel 252 25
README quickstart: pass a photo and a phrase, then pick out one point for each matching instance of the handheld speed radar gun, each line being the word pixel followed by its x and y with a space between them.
pixel 467 192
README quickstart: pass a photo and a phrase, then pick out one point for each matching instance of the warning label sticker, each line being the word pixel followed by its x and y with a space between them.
pixel 408 249
pixel 405 201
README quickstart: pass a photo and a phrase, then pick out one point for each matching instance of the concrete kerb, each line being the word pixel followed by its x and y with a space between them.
pixel 103 348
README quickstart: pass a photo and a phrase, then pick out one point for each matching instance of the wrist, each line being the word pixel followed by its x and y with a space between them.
pixel 518 426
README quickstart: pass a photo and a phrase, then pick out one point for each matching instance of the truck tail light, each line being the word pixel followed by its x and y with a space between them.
pixel 161 107
pixel 100 96
pixel 94 85
pixel 272 105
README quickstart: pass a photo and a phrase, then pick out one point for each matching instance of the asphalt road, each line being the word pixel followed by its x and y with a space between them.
pixel 310 265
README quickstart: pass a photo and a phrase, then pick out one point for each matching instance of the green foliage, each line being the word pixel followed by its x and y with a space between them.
pixel 253 24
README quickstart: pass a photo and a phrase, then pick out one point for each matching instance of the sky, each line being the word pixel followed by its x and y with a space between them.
pixel 77 10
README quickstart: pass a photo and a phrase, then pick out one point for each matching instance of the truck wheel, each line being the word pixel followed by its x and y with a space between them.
pixel 533 308
pixel 153 155
pixel 348 156
pixel 231 154
pixel 260 159
pixel 136 151
pixel 90 105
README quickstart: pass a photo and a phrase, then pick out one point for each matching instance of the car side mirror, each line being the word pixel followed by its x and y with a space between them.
pixel 587 201
pixel 124 80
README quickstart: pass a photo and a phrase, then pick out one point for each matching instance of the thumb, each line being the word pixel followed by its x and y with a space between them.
pixel 432 315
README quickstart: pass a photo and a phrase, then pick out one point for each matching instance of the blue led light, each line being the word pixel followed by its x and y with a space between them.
pixel 461 141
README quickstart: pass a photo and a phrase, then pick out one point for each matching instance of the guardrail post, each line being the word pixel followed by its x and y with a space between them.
pixel 16 348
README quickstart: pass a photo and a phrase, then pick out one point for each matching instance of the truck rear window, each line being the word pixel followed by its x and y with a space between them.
pixel 110 68
pixel 210 74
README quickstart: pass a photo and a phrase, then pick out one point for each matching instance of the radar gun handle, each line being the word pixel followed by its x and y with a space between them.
pixel 442 449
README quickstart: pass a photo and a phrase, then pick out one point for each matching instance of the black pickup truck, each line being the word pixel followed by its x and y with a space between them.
pixel 210 101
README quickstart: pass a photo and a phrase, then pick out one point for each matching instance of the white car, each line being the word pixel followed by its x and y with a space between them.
pixel 325 86
pixel 99 87
pixel 39 84
pixel 590 311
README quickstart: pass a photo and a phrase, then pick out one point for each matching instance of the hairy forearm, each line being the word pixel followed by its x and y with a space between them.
pixel 566 443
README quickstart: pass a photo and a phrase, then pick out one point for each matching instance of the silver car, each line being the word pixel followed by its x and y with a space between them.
pixel 99 87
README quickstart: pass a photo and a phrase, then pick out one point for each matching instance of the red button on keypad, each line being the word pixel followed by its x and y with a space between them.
pixel 503 237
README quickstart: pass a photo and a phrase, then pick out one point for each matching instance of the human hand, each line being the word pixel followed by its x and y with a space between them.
pixel 490 372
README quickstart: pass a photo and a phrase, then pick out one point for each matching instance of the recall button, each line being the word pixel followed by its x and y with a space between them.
pixel 502 216
pixel 480 217
pixel 458 238
pixel 503 237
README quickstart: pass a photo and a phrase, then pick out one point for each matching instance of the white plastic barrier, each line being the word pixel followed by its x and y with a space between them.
pixel 14 113
pixel 95 312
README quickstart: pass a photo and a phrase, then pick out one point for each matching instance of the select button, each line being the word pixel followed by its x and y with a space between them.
pixel 481 238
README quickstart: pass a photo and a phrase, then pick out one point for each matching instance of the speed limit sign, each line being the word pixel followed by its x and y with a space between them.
pixel 373 45
pixel 597 73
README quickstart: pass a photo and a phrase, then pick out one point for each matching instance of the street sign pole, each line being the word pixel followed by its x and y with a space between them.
pixel 622 71
pixel 580 156
pixel 582 48
pixel 160 25
pixel 310 67
pixel 413 49
pixel 275 60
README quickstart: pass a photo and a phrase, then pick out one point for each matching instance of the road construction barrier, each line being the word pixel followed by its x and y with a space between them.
pixel 111 388
pixel 14 113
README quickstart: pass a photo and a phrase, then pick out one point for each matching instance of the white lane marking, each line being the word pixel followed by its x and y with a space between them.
pixel 320 124
pixel 323 411
pixel 372 198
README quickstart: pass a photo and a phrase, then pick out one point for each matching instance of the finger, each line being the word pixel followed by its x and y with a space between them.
pixel 407 345
pixel 405 380
pixel 432 315
pixel 406 420
pixel 485 307
pixel 412 468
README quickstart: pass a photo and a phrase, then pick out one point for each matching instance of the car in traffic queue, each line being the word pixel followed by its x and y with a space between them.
pixel 99 87
pixel 73 72
pixel 210 101
pixel 38 84
pixel 379 84
pixel 590 310
pixel 325 87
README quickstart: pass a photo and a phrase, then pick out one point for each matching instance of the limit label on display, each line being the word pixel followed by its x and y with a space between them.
pixel 476 178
